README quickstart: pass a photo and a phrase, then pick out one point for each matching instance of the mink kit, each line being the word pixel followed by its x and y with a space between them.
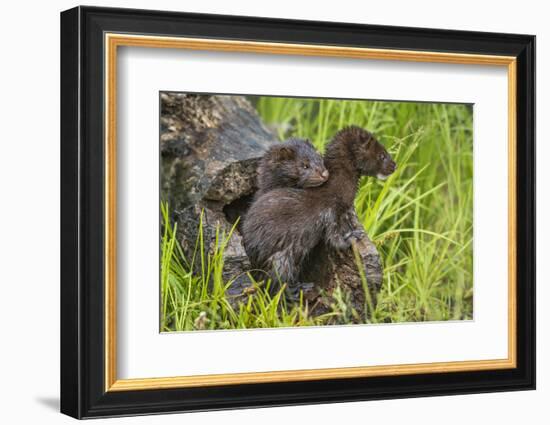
pixel 287 212
pixel 285 224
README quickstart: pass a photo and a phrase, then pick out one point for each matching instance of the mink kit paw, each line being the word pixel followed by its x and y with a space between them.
pixel 354 236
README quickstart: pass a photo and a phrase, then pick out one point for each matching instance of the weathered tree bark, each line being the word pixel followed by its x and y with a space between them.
pixel 210 148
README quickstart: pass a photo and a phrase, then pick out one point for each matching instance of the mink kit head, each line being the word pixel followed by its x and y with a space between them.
pixel 368 156
pixel 294 163
pixel 373 159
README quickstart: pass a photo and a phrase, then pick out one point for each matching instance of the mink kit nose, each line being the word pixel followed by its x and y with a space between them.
pixel 324 174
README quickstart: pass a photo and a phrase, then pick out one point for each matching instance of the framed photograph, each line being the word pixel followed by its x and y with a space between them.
pixel 261 212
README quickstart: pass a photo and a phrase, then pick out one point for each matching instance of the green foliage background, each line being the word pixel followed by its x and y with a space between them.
pixel 421 220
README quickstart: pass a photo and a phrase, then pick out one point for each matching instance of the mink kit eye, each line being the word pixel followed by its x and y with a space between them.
pixel 305 166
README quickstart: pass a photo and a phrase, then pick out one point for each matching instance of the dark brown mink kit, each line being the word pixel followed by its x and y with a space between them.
pixel 284 224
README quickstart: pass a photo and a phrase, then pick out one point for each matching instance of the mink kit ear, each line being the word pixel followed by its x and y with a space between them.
pixel 369 142
pixel 285 153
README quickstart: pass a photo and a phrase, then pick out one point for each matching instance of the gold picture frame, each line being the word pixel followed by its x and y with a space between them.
pixel 114 41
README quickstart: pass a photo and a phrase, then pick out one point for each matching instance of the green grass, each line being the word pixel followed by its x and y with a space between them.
pixel 420 219
pixel 198 301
